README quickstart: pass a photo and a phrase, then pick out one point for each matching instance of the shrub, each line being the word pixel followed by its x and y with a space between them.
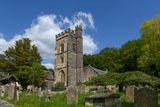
pixel 58 87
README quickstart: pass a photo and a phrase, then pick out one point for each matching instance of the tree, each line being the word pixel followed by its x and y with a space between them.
pixel 111 59
pixel 24 61
pixel 107 59
pixel 126 78
pixel 130 52
pixel 23 54
pixel 31 75
pixel 149 60
pixel 6 65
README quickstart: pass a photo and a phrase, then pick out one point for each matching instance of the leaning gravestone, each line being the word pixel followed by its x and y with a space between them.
pixel 72 95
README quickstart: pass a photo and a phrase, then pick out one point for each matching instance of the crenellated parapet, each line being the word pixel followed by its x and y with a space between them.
pixel 65 33
pixel 78 27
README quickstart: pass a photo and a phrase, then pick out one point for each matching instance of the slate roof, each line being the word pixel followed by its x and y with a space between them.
pixel 8 77
pixel 98 71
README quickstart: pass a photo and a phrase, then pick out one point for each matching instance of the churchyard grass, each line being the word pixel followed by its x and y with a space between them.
pixel 59 100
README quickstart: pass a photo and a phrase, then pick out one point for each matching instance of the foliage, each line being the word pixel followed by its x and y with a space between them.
pixel 24 61
pixel 28 75
pixel 136 55
pixel 149 60
pixel 130 52
pixel 126 78
pixel 107 59
pixel 59 87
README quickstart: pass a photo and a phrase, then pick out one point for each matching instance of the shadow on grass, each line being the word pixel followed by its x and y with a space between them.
pixel 127 104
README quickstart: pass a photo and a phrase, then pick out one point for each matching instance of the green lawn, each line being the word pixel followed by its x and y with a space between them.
pixel 58 100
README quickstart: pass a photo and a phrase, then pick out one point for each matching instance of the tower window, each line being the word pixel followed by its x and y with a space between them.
pixel 62 57
pixel 74 47
pixel 62 48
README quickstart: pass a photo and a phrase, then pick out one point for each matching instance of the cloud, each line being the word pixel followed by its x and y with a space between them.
pixel 89 47
pixel 48 65
pixel 42 32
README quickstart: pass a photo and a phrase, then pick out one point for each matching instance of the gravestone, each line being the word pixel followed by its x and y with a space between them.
pixel 72 95
pixel 145 97
pixel 130 93
pixel 142 96
pixel 11 90
pixel 2 90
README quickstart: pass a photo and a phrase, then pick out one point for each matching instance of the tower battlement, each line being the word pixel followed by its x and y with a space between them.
pixel 69 56
pixel 78 27
pixel 64 33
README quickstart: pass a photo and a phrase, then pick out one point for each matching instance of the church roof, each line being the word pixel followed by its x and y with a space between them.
pixel 8 77
pixel 98 71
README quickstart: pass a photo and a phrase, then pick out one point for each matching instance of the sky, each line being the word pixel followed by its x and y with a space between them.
pixel 106 23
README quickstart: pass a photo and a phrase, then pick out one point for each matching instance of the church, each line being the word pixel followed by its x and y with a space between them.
pixel 69 68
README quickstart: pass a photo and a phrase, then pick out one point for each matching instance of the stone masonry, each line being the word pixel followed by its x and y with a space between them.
pixel 69 56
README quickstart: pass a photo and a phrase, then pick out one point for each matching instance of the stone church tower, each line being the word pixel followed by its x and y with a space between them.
pixel 69 56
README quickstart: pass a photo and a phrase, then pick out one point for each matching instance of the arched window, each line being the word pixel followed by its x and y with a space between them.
pixel 62 53
pixel 74 47
pixel 62 48
pixel 62 76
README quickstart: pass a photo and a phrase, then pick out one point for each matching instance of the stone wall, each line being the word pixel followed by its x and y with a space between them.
pixel 89 73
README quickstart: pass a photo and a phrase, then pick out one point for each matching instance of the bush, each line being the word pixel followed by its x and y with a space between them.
pixel 58 87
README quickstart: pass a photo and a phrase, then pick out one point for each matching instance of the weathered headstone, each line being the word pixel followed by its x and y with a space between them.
pixel 11 91
pixel 145 97
pixel 130 93
pixel 2 90
pixel 72 95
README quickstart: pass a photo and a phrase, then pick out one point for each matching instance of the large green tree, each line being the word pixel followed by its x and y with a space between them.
pixel 33 74
pixel 149 60
pixel 107 59
pixel 24 61
pixel 130 52
pixel 22 54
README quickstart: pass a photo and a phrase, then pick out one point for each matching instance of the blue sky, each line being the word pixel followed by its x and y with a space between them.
pixel 115 21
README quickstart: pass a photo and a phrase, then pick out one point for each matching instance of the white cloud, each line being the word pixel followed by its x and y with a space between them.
pixel 48 65
pixel 89 47
pixel 43 30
